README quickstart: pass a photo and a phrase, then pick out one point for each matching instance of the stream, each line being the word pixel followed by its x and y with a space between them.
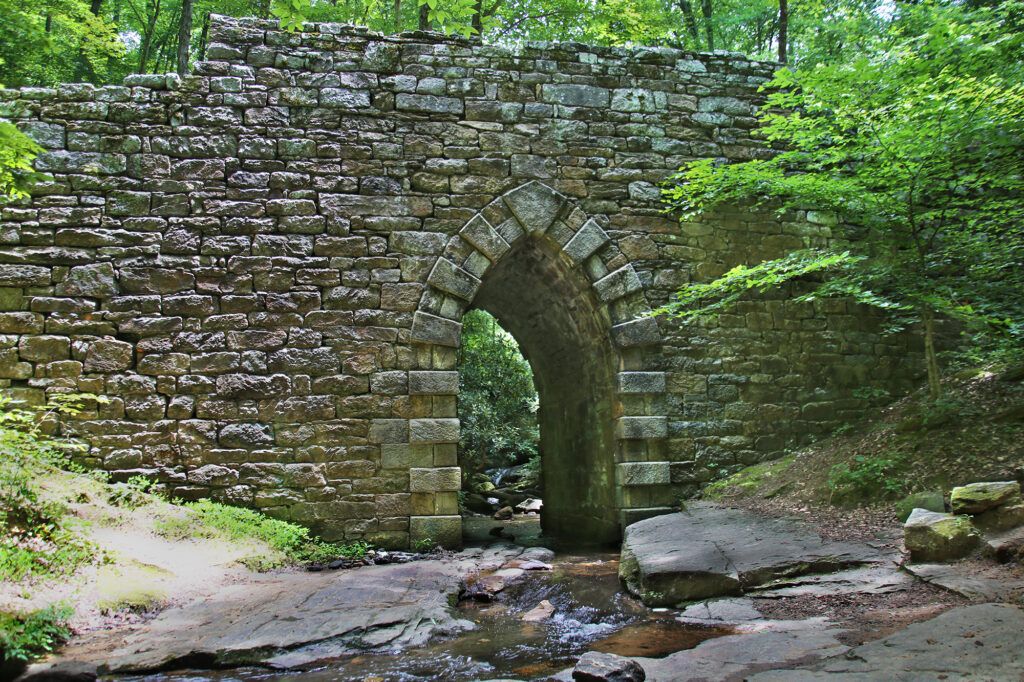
pixel 591 612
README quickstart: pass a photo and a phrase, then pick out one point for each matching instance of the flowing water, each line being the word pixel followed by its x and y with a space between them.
pixel 591 612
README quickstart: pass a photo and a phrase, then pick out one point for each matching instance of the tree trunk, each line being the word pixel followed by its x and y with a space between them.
pixel 147 37
pixel 691 22
pixel 184 36
pixel 204 35
pixel 709 31
pixel 783 29
pixel 398 15
pixel 424 17
pixel 478 18
pixel 931 358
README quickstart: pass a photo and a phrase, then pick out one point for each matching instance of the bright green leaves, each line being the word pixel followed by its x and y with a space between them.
pixel 16 154
pixel 452 16
pixel 704 299
pixel 291 13
pixel 917 148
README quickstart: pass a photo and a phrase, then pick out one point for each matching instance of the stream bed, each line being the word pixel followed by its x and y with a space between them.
pixel 591 612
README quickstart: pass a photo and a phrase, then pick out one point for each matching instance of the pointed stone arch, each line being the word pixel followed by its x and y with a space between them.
pixel 534 212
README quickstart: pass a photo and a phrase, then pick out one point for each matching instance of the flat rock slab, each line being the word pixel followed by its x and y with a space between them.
pixel 980 642
pixel 865 580
pixel 710 550
pixel 289 620
pixel 735 657
pixel 967 582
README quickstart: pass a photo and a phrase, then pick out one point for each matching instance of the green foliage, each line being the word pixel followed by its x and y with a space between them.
pixel 931 500
pixel 24 637
pixel 207 518
pixel 35 539
pixel 916 147
pixel 497 399
pixel 866 478
pixel 131 494
pixel 424 545
pixel 17 151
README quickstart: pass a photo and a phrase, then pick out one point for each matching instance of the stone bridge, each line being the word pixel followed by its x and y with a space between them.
pixel 264 264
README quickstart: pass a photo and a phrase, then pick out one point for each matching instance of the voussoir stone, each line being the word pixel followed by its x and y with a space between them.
pixel 710 550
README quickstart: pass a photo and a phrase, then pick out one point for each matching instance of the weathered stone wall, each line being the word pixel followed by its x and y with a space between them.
pixel 263 265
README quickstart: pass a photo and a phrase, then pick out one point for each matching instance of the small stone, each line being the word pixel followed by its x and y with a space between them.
pixel 934 536
pixel 504 514
pixel 599 667
pixel 539 613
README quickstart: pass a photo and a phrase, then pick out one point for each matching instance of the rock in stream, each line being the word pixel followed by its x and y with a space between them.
pixel 710 550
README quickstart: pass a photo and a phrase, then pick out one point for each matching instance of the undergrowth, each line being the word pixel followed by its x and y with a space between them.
pixel 206 518
pixel 26 636
pixel 36 540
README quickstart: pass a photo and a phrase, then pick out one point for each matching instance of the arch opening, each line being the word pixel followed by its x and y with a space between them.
pixel 564 333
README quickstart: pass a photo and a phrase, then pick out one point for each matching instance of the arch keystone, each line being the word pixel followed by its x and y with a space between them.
pixel 535 206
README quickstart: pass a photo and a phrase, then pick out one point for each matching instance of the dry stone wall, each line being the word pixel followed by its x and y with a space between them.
pixel 263 265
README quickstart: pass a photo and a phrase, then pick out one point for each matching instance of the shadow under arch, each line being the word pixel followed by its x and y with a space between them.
pixel 556 281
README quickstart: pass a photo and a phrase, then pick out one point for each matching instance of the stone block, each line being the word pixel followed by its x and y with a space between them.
pixel 976 498
pixel 97 281
pixel 485 238
pixel 618 284
pixel 452 279
pixel 429 104
pixel 432 382
pixel 427 328
pixel 587 240
pixel 434 430
pixel 644 473
pixel 445 531
pixel 641 382
pixel 535 206
pixel 44 348
pixel 405 455
pixel 935 536
pixel 435 480
pixel 389 431
pixel 575 95
pixel 641 428
pixel 642 331
pixel 21 323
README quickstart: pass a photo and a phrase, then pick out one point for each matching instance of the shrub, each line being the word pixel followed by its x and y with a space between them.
pixel 865 479
pixel 26 636
pixel 34 540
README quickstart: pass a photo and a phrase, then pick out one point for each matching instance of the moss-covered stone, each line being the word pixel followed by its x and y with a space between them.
pixel 934 536
pixel 976 498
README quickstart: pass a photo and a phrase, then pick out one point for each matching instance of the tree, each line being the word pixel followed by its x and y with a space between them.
pixel 16 154
pixel 497 399
pixel 919 147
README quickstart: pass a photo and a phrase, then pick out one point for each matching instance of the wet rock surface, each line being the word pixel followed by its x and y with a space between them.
pixel 288 620
pixel 597 667
pixel 710 550
pixel 979 642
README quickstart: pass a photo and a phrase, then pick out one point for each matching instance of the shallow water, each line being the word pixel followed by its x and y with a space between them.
pixel 591 613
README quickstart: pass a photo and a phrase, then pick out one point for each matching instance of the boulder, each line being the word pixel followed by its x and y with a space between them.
pixel 597 667
pixel 935 536
pixel 530 504
pixel 710 550
pixel 1002 518
pixel 504 514
pixel 976 498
